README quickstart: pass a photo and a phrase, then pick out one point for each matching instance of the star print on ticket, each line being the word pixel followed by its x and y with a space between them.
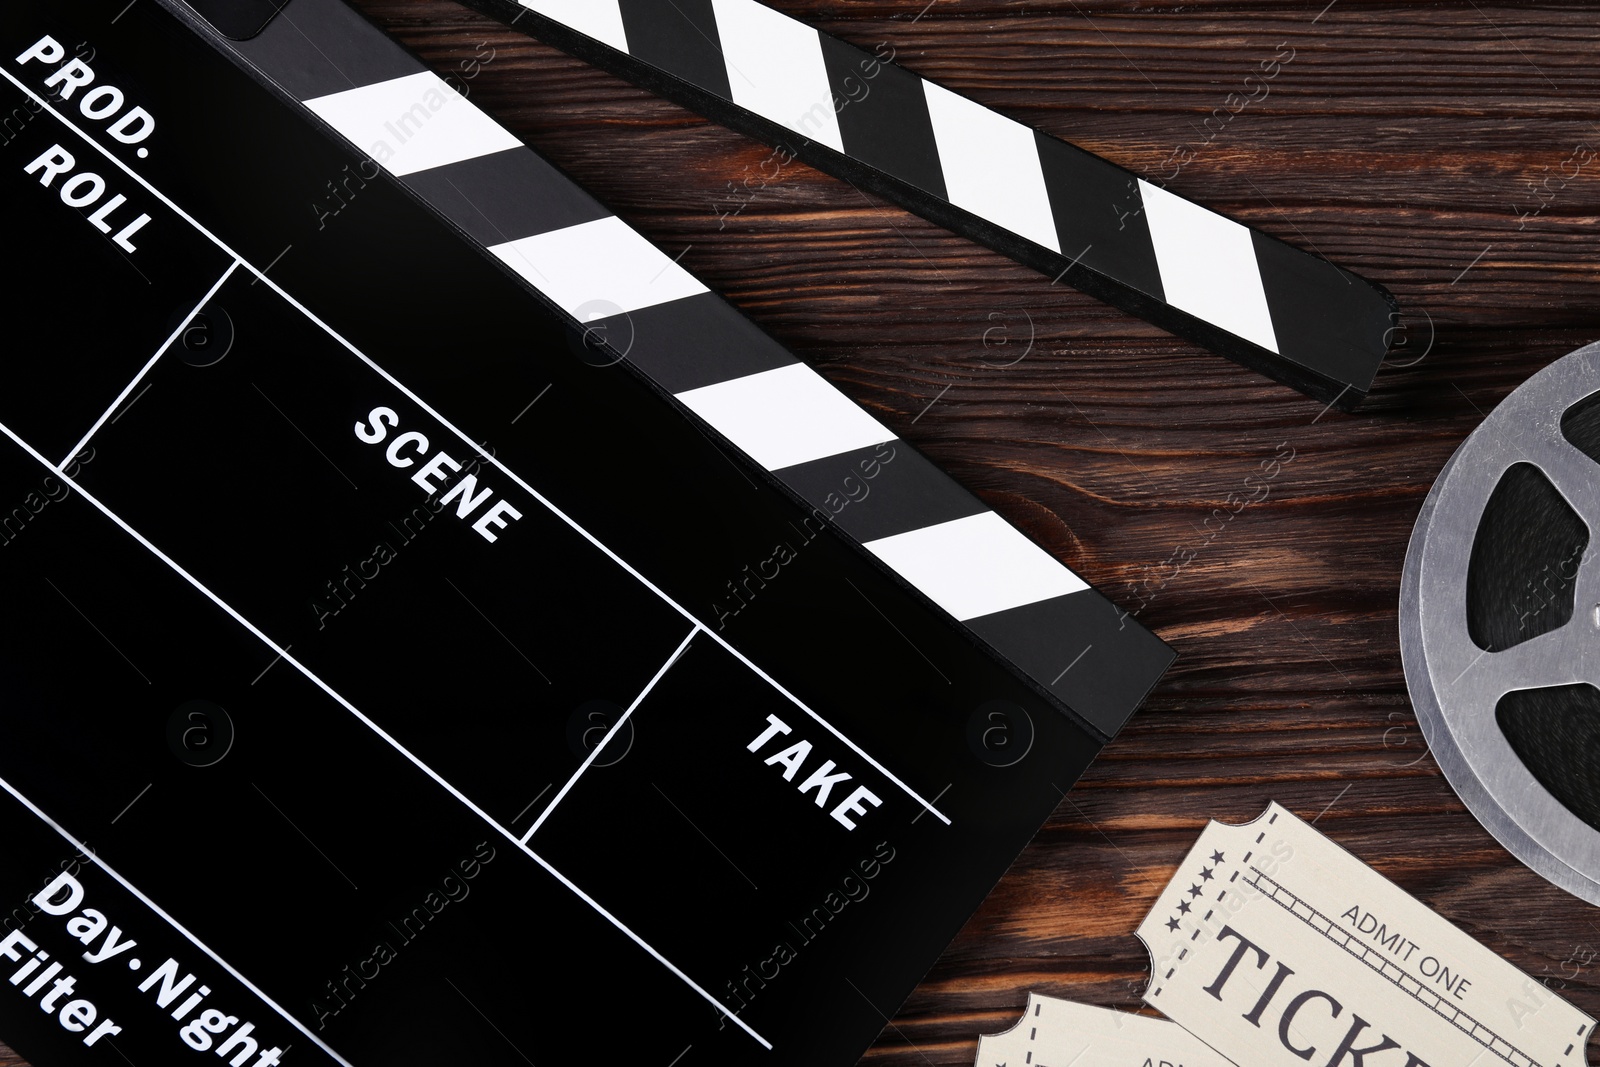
pixel 1294 952
pixel 1060 1032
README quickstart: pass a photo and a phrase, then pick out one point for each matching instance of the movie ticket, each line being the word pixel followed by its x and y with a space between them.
pixel 1060 1032
pixel 1277 948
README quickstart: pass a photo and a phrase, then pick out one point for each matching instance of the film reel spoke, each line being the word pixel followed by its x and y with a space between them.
pixel 1548 660
pixel 1574 475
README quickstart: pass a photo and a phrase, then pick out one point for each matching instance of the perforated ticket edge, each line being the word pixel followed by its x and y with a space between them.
pixel 1055 1032
pixel 1407 973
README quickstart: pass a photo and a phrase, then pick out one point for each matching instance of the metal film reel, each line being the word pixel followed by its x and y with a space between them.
pixel 1500 622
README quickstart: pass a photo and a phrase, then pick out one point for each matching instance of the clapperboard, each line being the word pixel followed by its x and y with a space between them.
pixel 440 630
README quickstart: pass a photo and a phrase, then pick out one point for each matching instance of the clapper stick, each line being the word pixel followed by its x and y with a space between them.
pixel 1046 203
pixel 635 302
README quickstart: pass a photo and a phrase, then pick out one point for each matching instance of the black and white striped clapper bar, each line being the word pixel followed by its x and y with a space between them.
pixel 1052 206
pixel 1007 592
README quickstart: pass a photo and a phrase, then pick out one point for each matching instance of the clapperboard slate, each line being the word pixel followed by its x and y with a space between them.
pixel 395 674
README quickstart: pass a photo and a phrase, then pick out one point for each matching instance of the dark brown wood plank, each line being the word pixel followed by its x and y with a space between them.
pixel 1402 141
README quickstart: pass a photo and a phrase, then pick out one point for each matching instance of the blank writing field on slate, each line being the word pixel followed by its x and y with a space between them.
pixel 394 570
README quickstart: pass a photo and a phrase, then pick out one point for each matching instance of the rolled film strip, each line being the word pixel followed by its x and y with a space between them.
pixel 1499 617
pixel 1010 594
pixel 1047 204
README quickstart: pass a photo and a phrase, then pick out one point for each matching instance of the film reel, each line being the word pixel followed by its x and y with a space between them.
pixel 1500 622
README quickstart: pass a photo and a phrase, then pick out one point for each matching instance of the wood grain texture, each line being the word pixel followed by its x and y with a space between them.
pixel 1402 141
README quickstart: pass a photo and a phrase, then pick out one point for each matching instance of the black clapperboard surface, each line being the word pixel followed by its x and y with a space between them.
pixel 439 630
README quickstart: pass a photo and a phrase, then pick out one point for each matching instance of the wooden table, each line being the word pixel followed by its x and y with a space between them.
pixel 1403 141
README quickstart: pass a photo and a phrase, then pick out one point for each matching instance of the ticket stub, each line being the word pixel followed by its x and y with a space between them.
pixel 1061 1032
pixel 1278 948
